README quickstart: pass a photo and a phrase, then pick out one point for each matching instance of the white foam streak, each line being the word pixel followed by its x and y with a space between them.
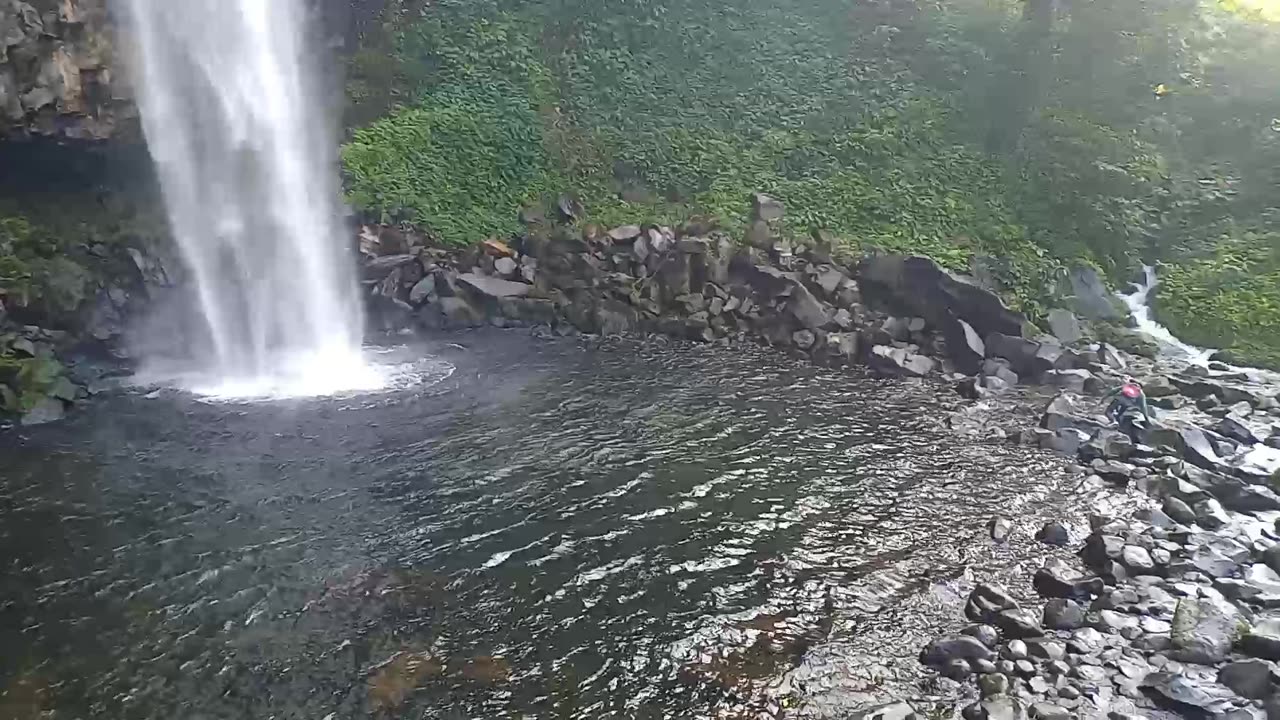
pixel 1139 305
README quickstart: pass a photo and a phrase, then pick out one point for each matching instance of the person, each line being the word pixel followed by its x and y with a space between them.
pixel 1129 408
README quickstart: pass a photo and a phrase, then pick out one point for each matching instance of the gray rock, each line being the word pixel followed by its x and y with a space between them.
pixel 961 647
pixel 1047 711
pixel 1179 510
pixel 1046 649
pixel 1063 614
pixel 992 685
pixel 985 634
pixel 1069 380
pixel 46 410
pixel 1137 560
pixel 766 208
pixel 1210 515
pixel 422 289
pixel 921 285
pixel 900 361
pixel 1065 326
pixel 1271 556
pixel 1203 630
pixel 625 233
pixel 1054 533
pixel 1090 296
pixel 505 266
pixel 491 287
pixel 1085 640
pixel 1001 527
pixel 1057 581
pixel 1181 690
pixel 1018 624
pixel 1263 641
pixel 807 309
pixel 895 711
pixel 1015 650
pixel 1158 386
pixel 964 345
pixel 1253 679
pixel 1110 621
pixel 999 707
pixel 803 339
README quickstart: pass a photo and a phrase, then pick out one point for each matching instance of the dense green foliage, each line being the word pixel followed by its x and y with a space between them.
pixel 1229 300
pixel 1102 132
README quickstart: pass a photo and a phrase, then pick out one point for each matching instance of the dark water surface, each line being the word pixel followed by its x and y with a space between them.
pixel 563 528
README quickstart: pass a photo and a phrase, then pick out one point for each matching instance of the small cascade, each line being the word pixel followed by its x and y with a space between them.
pixel 1139 304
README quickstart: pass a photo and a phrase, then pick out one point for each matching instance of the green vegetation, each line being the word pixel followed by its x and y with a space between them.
pixel 1229 299
pixel 1008 132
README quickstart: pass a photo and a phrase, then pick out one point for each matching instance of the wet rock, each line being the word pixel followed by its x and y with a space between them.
pixel 961 647
pixel 1231 427
pixel 1063 614
pixel 1090 296
pixel 1210 515
pixel 1054 533
pixel 1263 641
pixel 985 634
pixel 1203 630
pixel 1253 679
pixel 807 309
pixel 1018 624
pixel 505 267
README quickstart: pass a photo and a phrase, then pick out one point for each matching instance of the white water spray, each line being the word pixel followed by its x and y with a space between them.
pixel 248 171
pixel 1139 305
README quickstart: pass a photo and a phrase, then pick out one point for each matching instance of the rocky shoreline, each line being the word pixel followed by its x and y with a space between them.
pixel 1168 609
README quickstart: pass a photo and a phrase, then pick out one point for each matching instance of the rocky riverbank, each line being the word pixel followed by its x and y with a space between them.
pixel 1168 609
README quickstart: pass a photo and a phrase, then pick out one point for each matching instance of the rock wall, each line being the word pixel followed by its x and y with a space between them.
pixel 58 71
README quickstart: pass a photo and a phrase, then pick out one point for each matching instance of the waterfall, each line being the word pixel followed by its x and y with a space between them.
pixel 247 163
pixel 1139 304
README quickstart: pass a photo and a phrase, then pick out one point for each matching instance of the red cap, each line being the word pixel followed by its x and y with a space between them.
pixel 1131 391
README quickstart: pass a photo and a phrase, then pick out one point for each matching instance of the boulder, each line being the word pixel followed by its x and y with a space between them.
pixel 1090 296
pixel 493 288
pixel 1065 326
pixel 1055 580
pixel 932 293
pixel 45 410
pixel 1263 641
pixel 1188 694
pixel 961 647
pixel 899 361
pixel 964 345
pixel 1019 351
pixel 1203 630
pixel 625 233
pixel 1253 679
pixel 986 602
pixel 1063 614
pixel 1069 380
pixel 1159 386
pixel 766 208
pixel 807 309
pixel 894 711
pixel 1231 427
pixel 1054 533
pixel 1179 510
pixel 986 634
pixel 1018 624
pixel 1065 411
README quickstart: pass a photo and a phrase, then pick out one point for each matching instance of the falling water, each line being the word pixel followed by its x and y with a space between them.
pixel 233 124
pixel 1139 304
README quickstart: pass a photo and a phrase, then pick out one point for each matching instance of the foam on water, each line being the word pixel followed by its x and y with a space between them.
pixel 1139 305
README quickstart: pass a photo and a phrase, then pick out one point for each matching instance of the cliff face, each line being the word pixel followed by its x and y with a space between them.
pixel 58 75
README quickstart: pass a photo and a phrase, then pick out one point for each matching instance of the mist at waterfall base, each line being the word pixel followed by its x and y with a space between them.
pixel 247 165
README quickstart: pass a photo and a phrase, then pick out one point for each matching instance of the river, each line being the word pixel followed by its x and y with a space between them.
pixel 563 527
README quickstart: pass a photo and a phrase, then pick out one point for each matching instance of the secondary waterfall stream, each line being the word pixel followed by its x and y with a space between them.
pixel 231 116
